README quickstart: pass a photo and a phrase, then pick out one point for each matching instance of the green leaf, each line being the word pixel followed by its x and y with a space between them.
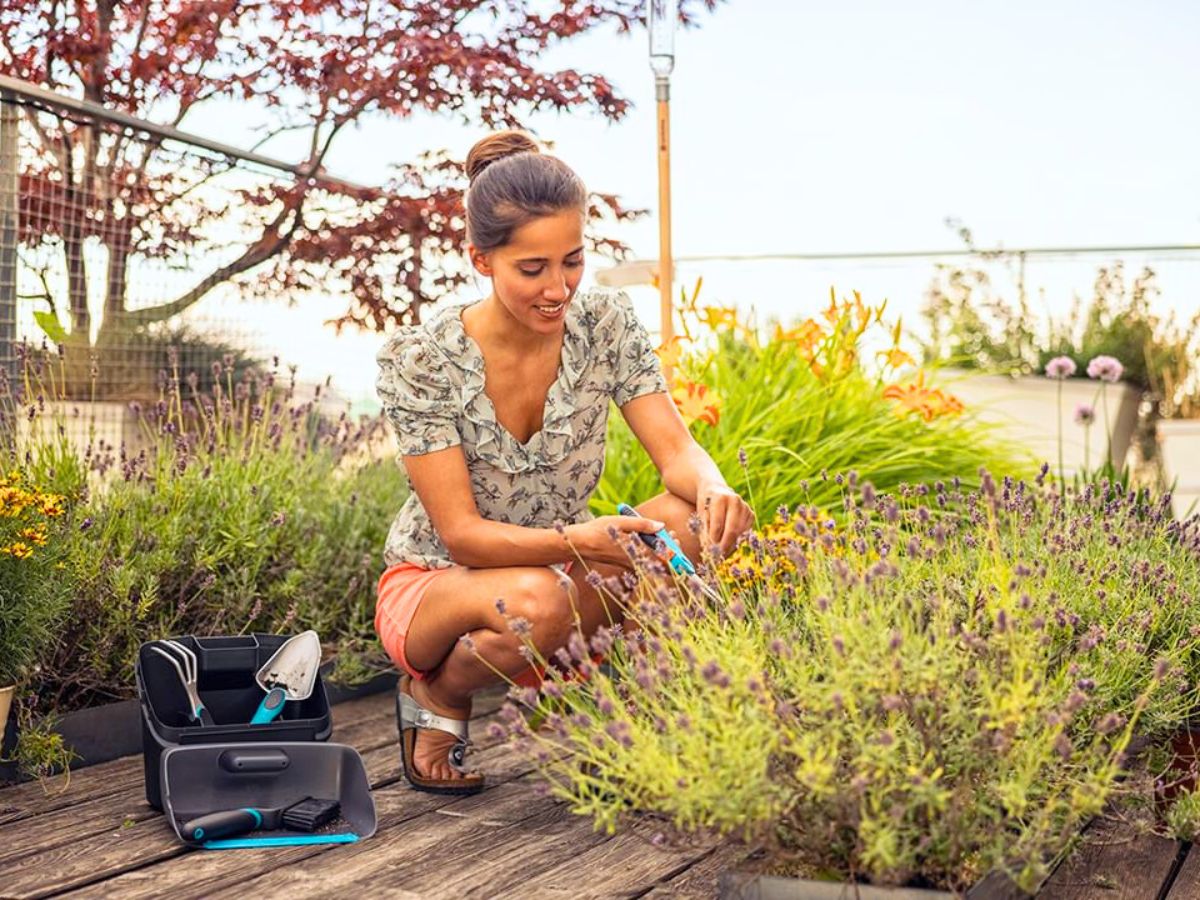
pixel 49 323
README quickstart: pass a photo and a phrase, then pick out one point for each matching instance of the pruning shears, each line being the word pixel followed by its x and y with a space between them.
pixel 668 550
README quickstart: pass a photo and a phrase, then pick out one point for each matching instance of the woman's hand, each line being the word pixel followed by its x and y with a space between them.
pixel 591 539
pixel 724 516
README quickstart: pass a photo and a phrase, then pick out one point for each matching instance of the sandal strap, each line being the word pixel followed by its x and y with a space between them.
pixel 413 714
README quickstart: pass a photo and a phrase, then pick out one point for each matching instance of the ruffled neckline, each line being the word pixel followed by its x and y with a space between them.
pixel 494 443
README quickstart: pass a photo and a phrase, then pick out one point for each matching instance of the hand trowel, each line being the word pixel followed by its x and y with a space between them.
pixel 289 674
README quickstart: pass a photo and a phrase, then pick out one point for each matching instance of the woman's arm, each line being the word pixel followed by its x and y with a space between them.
pixel 443 485
pixel 686 468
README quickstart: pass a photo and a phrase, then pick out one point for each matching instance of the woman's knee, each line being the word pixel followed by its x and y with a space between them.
pixel 546 599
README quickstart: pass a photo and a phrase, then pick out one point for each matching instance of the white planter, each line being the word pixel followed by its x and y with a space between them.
pixel 1179 449
pixel 1026 409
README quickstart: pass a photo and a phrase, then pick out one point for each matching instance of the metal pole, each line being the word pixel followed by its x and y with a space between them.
pixel 665 266
pixel 9 231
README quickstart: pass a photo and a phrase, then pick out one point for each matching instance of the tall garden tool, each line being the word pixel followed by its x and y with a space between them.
pixel 289 674
pixel 184 660
pixel 665 548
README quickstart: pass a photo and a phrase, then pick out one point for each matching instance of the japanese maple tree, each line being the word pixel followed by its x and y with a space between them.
pixel 318 67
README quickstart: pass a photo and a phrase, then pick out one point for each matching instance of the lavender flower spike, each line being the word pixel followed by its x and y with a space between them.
pixel 1106 368
pixel 1061 367
pixel 1085 414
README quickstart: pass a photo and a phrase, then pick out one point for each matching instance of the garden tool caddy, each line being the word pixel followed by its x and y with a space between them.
pixel 234 740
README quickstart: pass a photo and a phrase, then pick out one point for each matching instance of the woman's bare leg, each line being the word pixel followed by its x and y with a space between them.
pixel 464 602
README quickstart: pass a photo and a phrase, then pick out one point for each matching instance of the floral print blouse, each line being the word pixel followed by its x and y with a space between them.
pixel 431 384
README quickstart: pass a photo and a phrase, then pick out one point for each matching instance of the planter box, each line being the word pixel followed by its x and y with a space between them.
pixel 1179 449
pixel 744 886
pixel 1026 408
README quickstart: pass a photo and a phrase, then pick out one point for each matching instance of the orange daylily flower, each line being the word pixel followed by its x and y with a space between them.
pixel 696 402
pixel 670 353
pixel 928 403
pixel 807 335
pixel 718 317
pixel 895 358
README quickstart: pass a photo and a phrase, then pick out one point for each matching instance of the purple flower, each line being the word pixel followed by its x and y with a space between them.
pixel 1105 368
pixel 1085 414
pixel 1061 367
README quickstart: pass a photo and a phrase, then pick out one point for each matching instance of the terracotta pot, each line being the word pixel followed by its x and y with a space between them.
pixel 6 696
pixel 1185 763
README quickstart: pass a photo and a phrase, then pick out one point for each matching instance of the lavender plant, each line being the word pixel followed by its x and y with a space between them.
pixel 944 685
pixel 242 510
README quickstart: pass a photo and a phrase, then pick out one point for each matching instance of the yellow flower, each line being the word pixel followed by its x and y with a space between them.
pixel 18 549
pixel 52 505
pixel 35 535
pixel 696 402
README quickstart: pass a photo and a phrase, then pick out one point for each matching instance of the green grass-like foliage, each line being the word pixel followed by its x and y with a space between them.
pixel 798 408
pixel 942 685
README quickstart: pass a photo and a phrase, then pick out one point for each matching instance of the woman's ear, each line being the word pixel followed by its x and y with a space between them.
pixel 481 261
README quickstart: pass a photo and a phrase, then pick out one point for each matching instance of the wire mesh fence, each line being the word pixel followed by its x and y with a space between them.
pixel 125 254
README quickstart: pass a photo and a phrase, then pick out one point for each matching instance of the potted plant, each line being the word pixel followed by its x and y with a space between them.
pixel 1001 357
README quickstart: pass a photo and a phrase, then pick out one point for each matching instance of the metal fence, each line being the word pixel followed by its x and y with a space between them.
pixel 127 247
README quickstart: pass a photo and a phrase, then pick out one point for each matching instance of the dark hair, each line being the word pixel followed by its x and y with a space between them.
pixel 513 183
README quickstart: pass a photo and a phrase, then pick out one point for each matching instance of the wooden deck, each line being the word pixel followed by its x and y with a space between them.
pixel 100 839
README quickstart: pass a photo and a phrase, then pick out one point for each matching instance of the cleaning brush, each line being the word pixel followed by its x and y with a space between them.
pixel 308 814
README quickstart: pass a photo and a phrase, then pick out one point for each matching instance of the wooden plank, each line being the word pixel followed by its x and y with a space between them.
pixel 432 855
pixel 622 866
pixel 699 880
pixel 1187 882
pixel 29 799
pixel 146 868
pixel 1116 859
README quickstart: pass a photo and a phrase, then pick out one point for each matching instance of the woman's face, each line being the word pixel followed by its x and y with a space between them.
pixel 536 273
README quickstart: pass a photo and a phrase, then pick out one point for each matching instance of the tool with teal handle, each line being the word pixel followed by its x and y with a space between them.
pixel 673 555
pixel 174 652
pixel 290 674
pixel 305 815
pixel 668 550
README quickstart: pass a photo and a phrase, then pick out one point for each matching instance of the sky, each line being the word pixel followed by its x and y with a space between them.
pixel 855 126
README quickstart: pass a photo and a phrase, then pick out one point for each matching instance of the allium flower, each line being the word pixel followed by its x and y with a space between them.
pixel 1085 414
pixel 1061 367
pixel 1105 368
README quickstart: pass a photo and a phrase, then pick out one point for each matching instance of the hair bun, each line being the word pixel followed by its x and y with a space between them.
pixel 495 147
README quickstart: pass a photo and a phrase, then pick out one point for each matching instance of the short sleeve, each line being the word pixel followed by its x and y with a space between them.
pixel 636 367
pixel 417 396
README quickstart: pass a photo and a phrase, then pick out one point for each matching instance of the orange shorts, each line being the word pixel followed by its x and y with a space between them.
pixel 401 589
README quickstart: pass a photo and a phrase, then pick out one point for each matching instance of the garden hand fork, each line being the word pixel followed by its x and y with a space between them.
pixel 177 653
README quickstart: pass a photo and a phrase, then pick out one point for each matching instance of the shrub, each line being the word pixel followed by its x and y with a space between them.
pixel 245 512
pixel 941 685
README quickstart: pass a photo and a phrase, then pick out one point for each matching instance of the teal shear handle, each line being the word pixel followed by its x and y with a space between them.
pixel 672 555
